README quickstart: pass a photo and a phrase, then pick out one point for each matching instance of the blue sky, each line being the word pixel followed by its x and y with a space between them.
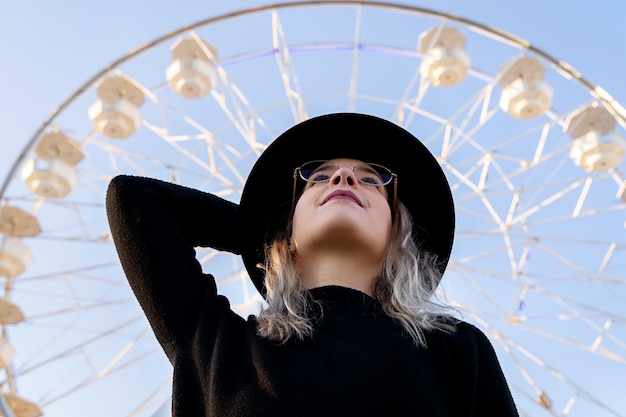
pixel 49 49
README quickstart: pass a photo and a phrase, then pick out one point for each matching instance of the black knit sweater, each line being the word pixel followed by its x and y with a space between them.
pixel 358 363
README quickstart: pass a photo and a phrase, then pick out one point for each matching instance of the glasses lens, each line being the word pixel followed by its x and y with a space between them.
pixel 316 171
pixel 372 174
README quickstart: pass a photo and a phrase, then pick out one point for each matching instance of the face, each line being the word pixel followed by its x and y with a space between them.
pixel 342 214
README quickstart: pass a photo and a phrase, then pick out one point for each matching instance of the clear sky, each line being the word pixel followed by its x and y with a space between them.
pixel 49 49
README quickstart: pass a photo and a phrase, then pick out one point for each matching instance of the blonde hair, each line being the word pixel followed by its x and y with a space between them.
pixel 405 288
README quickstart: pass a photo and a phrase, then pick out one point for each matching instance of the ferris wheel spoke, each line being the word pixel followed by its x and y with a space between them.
pixel 27 367
pixel 356 58
pixel 73 308
pixel 591 315
pixel 236 107
pixel 95 377
pixel 540 395
pixel 287 71
pixel 151 401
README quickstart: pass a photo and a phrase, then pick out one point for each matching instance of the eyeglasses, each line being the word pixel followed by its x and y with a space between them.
pixel 368 174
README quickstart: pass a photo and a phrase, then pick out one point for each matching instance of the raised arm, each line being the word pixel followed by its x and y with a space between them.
pixel 155 226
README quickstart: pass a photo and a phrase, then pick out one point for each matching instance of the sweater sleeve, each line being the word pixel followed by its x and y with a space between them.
pixel 155 226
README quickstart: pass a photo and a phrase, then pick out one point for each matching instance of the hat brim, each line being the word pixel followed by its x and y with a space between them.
pixel 422 185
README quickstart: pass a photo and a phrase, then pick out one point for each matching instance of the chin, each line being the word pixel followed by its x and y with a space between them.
pixel 342 235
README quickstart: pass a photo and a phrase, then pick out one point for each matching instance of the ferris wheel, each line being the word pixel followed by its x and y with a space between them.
pixel 534 153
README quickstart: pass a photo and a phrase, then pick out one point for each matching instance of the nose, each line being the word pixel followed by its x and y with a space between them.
pixel 344 175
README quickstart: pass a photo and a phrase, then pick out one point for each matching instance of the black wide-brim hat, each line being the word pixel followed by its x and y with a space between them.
pixel 266 201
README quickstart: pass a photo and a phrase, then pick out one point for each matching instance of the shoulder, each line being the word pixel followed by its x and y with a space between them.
pixel 466 351
pixel 462 338
pixel 469 332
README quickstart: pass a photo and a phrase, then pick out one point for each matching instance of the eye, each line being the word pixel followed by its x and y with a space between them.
pixel 322 174
pixel 368 175
pixel 319 177
pixel 371 180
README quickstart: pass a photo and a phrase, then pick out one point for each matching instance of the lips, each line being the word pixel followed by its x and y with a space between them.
pixel 344 195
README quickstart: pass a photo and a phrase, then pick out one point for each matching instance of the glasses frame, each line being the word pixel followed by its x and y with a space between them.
pixel 297 173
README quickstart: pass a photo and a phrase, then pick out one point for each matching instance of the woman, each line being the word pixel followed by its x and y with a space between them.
pixel 345 226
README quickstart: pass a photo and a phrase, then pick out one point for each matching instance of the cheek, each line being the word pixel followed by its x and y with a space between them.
pixel 300 211
pixel 383 216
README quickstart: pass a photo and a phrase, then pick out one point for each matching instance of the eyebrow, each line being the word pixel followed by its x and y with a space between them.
pixel 326 164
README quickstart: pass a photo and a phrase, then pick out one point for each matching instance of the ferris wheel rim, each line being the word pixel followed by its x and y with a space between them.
pixel 599 93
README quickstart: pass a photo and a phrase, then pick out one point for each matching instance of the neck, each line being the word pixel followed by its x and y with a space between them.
pixel 356 272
